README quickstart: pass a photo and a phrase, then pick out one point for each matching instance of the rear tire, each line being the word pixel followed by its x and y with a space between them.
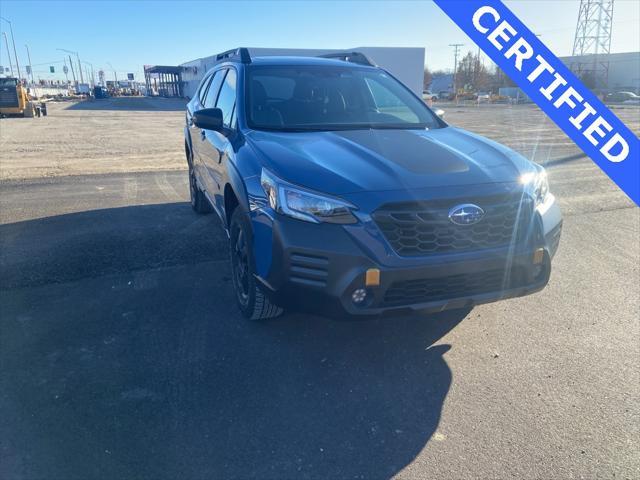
pixel 253 303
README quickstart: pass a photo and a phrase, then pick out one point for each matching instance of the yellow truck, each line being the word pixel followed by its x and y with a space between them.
pixel 14 99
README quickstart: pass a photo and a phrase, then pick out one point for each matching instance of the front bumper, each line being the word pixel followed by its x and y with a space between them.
pixel 317 267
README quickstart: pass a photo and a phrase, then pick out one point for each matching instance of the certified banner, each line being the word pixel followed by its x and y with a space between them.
pixel 553 87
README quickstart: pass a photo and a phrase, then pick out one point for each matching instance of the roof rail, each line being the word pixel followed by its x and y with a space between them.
pixel 353 57
pixel 243 53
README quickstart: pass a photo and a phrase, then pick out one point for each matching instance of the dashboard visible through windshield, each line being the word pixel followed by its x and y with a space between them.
pixel 313 97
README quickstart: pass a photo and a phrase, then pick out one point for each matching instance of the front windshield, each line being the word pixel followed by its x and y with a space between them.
pixel 331 98
pixel 8 82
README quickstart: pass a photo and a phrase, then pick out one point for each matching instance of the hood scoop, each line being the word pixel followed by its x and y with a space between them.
pixel 409 150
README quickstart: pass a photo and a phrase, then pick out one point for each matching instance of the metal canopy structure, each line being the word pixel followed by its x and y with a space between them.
pixel 164 80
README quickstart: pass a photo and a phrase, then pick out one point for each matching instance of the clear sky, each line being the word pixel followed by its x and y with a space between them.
pixel 130 34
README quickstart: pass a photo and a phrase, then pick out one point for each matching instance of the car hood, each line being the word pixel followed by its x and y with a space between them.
pixel 351 161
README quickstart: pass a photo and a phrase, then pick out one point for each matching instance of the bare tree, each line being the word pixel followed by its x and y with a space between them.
pixel 426 79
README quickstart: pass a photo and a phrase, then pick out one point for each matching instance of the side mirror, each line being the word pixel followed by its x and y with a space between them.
pixel 208 118
pixel 439 112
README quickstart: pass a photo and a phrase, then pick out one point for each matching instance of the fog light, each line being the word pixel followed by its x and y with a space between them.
pixel 358 295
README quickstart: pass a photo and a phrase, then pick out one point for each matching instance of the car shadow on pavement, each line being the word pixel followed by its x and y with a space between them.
pixel 152 373
pixel 157 104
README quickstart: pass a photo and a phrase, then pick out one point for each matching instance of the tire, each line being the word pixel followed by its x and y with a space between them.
pixel 253 303
pixel 199 201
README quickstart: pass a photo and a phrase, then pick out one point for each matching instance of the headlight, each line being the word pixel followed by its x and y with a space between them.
pixel 541 187
pixel 539 184
pixel 304 205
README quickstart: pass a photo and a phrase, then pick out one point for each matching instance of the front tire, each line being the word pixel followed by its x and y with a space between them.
pixel 253 303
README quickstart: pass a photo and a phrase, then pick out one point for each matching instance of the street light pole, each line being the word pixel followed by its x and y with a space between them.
pixel 6 42
pixel 30 67
pixel 92 80
pixel 79 68
pixel 78 57
pixel 73 72
pixel 115 76
pixel 15 52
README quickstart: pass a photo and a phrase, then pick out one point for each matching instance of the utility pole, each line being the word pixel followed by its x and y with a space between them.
pixel 30 67
pixel 15 53
pixel 6 42
pixel 456 47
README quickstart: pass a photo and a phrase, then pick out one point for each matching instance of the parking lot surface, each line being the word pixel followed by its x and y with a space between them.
pixel 122 354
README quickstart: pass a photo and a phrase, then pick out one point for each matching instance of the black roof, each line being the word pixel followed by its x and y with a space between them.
pixel 163 69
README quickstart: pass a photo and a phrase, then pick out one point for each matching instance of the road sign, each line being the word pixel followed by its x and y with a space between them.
pixel 65 69
pixel 28 67
pixel 130 76
pixel 52 69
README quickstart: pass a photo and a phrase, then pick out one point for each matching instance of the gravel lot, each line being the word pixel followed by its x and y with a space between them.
pixel 102 136
pixel 141 134
pixel 122 354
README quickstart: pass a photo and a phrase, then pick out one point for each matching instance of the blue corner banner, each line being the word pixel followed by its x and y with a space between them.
pixel 552 86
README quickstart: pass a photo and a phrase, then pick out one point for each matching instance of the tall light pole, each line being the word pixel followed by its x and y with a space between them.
pixel 115 76
pixel 15 53
pixel 6 42
pixel 29 57
pixel 87 72
pixel 78 58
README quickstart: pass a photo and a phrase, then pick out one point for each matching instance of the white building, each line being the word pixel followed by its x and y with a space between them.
pixel 406 64
pixel 624 69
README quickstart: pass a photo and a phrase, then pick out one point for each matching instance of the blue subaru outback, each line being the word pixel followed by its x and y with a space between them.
pixel 341 191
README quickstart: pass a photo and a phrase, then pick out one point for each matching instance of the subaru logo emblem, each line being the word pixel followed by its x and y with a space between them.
pixel 466 214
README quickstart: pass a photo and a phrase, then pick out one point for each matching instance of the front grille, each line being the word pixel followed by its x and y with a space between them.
pixel 422 228
pixel 424 290
pixel 8 97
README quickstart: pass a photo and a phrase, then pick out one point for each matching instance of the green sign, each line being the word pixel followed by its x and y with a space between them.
pixel 52 69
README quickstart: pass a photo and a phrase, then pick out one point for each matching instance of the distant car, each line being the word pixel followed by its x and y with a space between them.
pixel 623 97
pixel 341 190
pixel 484 97
pixel 428 95
pixel 100 92
pixel 445 95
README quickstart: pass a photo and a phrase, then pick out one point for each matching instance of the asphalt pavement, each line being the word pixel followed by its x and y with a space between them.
pixel 122 354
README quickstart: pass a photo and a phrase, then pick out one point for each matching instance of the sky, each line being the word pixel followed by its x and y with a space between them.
pixel 130 34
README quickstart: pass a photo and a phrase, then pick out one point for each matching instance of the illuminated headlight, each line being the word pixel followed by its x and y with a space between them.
pixel 539 184
pixel 304 205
